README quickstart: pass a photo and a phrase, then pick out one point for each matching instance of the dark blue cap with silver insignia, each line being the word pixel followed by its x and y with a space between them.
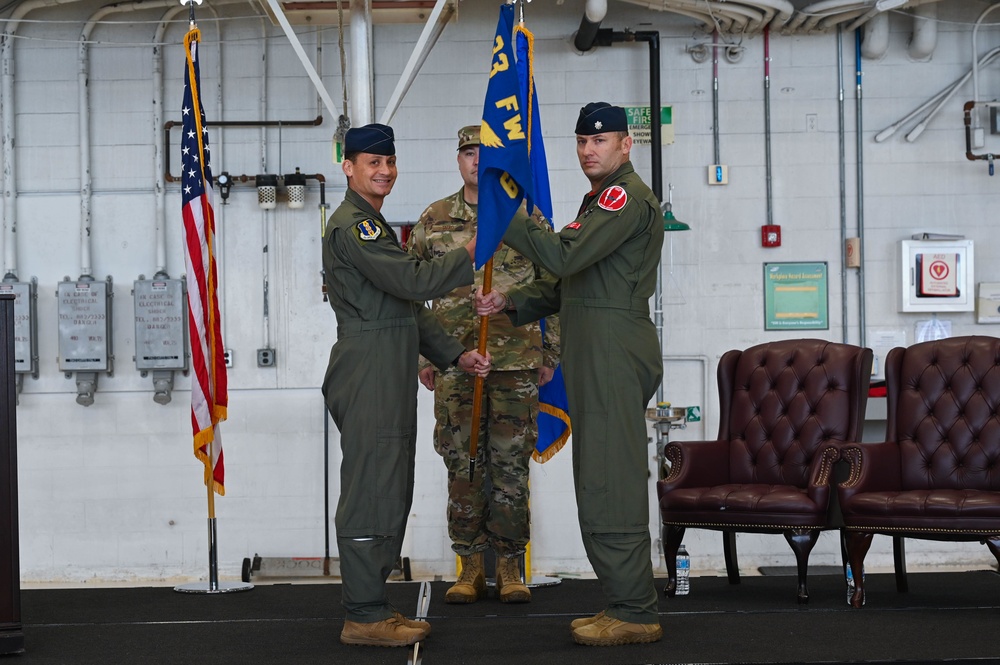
pixel 600 117
pixel 374 139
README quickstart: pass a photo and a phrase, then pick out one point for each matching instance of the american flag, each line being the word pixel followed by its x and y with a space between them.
pixel 209 396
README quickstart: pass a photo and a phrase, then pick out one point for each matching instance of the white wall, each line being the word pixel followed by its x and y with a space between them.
pixel 113 491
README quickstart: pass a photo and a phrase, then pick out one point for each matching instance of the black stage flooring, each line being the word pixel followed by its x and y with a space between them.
pixel 945 617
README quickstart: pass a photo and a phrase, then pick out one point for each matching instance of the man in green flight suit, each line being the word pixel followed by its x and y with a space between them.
pixel 607 262
pixel 377 291
pixel 521 361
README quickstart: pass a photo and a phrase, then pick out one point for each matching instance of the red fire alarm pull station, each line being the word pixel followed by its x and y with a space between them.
pixel 770 235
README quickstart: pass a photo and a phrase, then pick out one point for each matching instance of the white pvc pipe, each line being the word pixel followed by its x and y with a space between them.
pixel 925 32
pixel 362 97
pixel 876 41
pixel 596 10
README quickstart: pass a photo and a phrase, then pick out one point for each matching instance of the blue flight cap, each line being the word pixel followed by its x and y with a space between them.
pixel 374 139
pixel 601 117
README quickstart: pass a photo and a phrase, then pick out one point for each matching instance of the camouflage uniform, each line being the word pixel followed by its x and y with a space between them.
pixel 507 430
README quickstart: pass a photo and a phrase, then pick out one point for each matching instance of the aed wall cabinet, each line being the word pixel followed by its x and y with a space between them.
pixel 936 276
pixel 161 337
pixel 84 326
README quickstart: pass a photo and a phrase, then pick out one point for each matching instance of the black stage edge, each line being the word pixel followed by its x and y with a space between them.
pixel 945 617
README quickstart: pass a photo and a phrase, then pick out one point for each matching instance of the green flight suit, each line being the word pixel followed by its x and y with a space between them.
pixel 377 291
pixel 607 262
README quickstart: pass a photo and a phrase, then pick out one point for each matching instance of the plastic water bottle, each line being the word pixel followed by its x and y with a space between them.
pixel 683 571
pixel 850 584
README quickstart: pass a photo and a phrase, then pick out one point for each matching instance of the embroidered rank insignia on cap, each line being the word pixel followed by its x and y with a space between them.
pixel 613 198
pixel 573 225
pixel 369 230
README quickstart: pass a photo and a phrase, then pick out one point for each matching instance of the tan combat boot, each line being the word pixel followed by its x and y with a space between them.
pixel 586 621
pixel 509 584
pixel 471 584
pixel 608 631
pixel 389 632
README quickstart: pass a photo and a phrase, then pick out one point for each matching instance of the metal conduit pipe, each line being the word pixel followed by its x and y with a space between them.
pixel 862 337
pixel 767 126
pixel 842 172
pixel 362 72
pixel 170 124
pixel 8 128
pixel 824 9
pixel 593 14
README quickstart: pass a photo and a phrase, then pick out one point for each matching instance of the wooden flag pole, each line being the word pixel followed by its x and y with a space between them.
pixel 477 391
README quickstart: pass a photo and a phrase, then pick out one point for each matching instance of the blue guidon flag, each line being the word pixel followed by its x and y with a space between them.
pixel 512 168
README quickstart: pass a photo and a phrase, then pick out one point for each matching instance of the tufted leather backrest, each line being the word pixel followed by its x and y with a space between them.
pixel 782 402
pixel 942 399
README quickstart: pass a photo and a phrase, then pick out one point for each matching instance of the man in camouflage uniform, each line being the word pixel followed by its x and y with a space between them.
pixel 607 260
pixel 499 518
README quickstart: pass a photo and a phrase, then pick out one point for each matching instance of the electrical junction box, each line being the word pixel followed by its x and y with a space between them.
pixel 936 275
pixel 84 326
pixel 161 324
pixel 25 325
pixel 718 174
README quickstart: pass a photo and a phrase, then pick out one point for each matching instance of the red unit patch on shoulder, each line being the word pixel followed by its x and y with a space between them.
pixel 613 198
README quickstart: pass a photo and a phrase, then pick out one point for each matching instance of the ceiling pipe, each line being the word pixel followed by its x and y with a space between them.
pixel 876 37
pixel 593 14
pixel 362 94
pixel 925 32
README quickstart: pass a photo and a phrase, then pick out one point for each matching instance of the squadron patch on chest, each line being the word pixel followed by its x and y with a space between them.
pixel 613 198
pixel 369 230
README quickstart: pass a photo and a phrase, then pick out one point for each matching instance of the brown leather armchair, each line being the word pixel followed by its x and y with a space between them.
pixel 937 474
pixel 784 409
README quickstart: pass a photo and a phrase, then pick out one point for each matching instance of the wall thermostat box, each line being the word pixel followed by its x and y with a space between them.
pixel 936 276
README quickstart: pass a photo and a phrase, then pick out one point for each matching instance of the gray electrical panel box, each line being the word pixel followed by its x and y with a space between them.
pixel 161 332
pixel 85 326
pixel 25 325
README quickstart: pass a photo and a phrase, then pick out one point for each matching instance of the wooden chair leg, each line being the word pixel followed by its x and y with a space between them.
pixel 858 544
pixel 899 562
pixel 802 541
pixel 729 549
pixel 671 537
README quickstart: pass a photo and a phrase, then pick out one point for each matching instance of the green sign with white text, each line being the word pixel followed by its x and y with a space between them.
pixel 639 124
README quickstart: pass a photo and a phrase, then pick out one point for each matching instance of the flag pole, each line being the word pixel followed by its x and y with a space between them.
pixel 477 391
pixel 213 586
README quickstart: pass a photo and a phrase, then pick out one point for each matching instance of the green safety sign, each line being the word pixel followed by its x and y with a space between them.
pixel 639 124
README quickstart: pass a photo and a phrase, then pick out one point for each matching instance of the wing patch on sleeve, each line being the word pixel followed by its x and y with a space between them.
pixel 368 230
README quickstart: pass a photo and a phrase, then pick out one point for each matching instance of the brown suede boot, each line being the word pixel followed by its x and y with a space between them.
pixel 586 621
pixel 419 624
pixel 471 584
pixel 509 584
pixel 608 631
pixel 389 632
